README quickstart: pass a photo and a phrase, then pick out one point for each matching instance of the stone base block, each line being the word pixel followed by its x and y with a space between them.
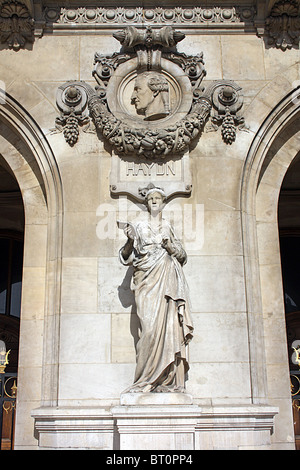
pixel 156 425
pixel 175 426
pixel 74 428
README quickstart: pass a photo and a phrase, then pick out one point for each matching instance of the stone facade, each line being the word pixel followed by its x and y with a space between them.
pixel 78 320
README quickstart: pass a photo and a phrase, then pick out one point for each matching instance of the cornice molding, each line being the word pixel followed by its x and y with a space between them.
pixel 274 19
pixel 85 17
pixel 277 21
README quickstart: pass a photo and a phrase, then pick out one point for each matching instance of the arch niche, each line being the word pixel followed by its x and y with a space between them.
pixel 272 151
pixel 29 156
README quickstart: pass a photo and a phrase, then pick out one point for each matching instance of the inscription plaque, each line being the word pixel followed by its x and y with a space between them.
pixel 128 175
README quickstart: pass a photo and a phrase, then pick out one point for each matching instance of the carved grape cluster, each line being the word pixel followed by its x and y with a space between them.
pixel 71 131
pixel 228 128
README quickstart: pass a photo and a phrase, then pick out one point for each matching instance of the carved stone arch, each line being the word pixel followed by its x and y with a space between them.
pixel 29 155
pixel 274 146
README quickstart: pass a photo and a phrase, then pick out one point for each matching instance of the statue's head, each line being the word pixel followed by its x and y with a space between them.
pixel 151 95
pixel 155 199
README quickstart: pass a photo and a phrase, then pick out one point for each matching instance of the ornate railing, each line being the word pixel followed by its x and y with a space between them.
pixel 8 394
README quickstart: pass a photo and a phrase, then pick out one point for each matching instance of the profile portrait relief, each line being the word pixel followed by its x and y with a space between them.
pixel 151 96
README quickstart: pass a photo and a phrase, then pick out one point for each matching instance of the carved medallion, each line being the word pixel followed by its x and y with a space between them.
pixel 149 101
pixel 151 109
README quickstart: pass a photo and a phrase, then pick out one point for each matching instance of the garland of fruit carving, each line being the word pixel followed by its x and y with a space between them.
pixel 220 100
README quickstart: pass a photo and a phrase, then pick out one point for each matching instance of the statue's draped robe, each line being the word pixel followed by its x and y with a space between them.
pixel 161 296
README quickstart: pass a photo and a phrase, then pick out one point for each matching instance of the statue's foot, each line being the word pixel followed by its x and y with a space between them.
pixel 162 389
pixel 179 389
pixel 172 389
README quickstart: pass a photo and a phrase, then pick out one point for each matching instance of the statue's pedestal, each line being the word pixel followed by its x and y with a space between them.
pixel 163 424
pixel 156 421
pixel 170 421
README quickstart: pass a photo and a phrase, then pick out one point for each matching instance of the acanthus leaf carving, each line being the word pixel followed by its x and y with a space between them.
pixel 16 24
pixel 105 66
pixel 193 66
pixel 283 24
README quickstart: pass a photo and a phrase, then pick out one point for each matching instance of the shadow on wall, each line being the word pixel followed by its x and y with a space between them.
pixel 127 300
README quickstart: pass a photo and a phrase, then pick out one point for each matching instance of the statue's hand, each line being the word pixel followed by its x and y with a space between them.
pixel 128 247
pixel 129 232
pixel 166 243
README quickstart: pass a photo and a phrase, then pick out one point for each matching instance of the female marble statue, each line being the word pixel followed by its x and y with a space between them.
pixel 161 298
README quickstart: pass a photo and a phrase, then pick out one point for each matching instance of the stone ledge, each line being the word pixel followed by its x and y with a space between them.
pixel 140 399
pixel 155 426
